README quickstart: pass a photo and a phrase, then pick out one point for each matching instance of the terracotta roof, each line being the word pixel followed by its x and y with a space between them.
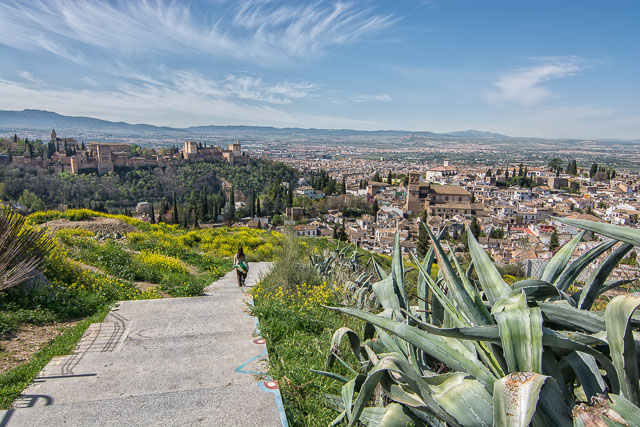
pixel 450 189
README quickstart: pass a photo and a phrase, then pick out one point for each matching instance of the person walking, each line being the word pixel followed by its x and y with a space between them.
pixel 241 266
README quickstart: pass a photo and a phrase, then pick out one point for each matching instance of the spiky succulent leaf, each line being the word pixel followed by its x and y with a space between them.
pixel 588 373
pixel 464 301
pixel 515 397
pixel 442 349
pixel 559 261
pixel 598 278
pixel 521 335
pixel 572 272
pixel 491 281
pixel 354 342
pixel 624 234
pixel 622 344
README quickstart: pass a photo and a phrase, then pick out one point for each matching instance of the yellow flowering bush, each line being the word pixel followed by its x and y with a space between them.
pixel 303 297
pixel 164 263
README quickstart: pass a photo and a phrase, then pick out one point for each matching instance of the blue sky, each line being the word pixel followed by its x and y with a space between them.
pixel 524 68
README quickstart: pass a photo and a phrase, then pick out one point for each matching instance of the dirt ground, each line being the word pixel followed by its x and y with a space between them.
pixel 17 348
pixel 95 225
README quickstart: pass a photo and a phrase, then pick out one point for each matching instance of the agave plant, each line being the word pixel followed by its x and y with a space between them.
pixel 22 249
pixel 525 354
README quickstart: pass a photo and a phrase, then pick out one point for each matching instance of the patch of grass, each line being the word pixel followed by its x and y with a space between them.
pixel 13 382
pixel 299 340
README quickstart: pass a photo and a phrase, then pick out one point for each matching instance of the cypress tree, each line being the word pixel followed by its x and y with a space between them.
pixel 252 204
pixel 374 207
pixel 174 217
pixel 423 237
pixel 152 215
pixel 290 196
pixel 344 186
pixel 554 241
pixel 475 227
pixel 389 178
pixel 185 220
pixel 258 213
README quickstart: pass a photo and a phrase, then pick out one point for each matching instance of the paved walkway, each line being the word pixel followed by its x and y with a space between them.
pixel 168 362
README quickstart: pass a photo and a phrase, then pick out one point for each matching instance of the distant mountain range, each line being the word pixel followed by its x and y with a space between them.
pixel 13 121
pixel 45 120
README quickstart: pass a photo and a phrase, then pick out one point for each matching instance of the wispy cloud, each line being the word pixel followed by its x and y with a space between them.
pixel 372 98
pixel 256 31
pixel 29 77
pixel 526 85
pixel 188 99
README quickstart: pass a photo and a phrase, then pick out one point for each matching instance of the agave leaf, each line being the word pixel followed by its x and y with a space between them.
pixel 465 302
pixel 626 409
pixel 567 317
pixel 624 234
pixel 559 261
pixel 491 281
pixel 347 392
pixel 440 296
pixel 464 398
pixel 354 342
pixel 596 281
pixel 426 265
pixel 515 397
pixel 588 373
pixel 612 411
pixel 471 290
pixel 392 415
pixel 612 285
pixel 393 363
pixel 551 368
pixel 572 272
pixel 558 341
pixel 379 270
pixel 538 290
pixel 552 409
pixel 437 347
pixel 397 272
pixel 622 344
pixel 385 292
pixel 332 375
pixel 521 335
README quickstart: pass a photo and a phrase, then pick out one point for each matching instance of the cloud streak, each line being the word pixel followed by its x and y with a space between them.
pixel 188 100
pixel 256 31
pixel 525 86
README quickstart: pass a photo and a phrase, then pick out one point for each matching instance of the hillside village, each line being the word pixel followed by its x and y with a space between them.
pixel 516 223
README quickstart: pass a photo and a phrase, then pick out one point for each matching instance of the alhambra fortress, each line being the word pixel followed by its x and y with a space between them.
pixel 102 157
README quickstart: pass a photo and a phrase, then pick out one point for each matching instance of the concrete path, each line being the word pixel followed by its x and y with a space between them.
pixel 168 362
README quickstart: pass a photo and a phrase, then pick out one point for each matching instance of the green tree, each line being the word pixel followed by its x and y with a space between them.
pixel 593 170
pixel 376 177
pixel 389 178
pixel 290 196
pixel 344 186
pixel 374 207
pixel 174 214
pixel 258 213
pixel 555 164
pixel 152 215
pixel 423 237
pixel 475 227
pixel 554 242
pixel 31 201
pixel 496 233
